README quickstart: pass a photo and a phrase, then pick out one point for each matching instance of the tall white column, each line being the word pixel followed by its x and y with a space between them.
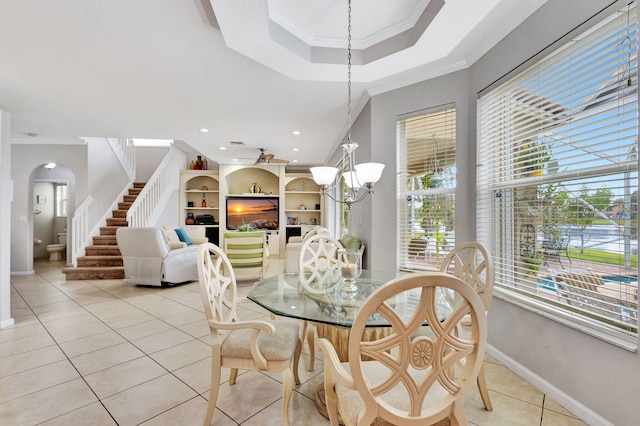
pixel 6 197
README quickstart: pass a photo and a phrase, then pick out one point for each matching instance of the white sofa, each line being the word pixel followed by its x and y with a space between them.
pixel 148 259
pixel 294 246
pixel 195 233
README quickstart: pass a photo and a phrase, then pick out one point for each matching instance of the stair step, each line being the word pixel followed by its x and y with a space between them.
pixel 130 198
pixel 110 230
pixel 135 191
pixel 94 273
pixel 139 184
pixel 105 240
pixel 103 250
pixel 124 206
pixel 117 221
pixel 99 261
pixel 119 214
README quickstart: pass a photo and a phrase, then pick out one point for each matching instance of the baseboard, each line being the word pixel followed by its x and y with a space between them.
pixel 23 272
pixel 582 411
pixel 7 323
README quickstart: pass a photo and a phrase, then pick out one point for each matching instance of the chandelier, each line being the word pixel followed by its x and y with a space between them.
pixel 359 178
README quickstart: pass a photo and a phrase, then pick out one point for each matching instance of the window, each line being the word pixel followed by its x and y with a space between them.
pixel 557 181
pixel 62 200
pixel 426 185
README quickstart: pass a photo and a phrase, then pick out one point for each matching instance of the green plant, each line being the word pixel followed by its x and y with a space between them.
pixel 246 227
pixel 533 155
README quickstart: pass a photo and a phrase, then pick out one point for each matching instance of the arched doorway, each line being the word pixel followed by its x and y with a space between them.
pixel 52 186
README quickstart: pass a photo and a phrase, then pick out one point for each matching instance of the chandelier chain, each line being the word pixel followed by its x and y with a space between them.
pixel 349 72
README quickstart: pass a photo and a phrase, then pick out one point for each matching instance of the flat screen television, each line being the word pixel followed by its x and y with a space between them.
pixel 261 212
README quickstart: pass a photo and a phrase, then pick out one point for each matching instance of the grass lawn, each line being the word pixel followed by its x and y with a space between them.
pixel 601 256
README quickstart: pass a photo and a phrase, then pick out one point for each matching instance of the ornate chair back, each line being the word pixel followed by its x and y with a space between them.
pixel 246 345
pixel 473 264
pixel 407 378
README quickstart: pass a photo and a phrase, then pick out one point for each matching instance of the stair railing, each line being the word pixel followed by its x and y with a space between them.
pixel 147 207
pixel 80 230
pixel 125 150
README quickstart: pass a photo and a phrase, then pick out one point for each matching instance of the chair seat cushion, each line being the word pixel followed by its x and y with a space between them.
pixel 277 347
pixel 351 404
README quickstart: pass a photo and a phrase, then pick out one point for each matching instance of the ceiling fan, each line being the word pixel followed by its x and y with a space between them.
pixel 265 158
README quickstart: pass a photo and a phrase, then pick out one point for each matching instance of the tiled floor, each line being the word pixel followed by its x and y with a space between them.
pixel 106 352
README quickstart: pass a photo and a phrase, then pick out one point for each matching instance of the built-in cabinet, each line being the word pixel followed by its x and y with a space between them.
pixel 205 192
pixel 200 201
pixel 303 203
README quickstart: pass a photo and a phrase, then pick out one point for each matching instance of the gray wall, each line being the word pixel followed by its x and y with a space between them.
pixel 385 109
pixel 26 159
pixel 595 379
pixel 587 375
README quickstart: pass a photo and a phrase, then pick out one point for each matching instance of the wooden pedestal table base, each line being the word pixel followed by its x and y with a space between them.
pixel 339 338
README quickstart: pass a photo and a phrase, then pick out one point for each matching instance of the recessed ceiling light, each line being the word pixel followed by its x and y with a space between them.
pixel 203 130
pixel 223 148
pixel 234 159
pixel 50 165
pixel 296 132
pixel 296 149
pixel 294 161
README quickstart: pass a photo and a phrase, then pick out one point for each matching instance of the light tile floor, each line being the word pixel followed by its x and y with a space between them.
pixel 106 352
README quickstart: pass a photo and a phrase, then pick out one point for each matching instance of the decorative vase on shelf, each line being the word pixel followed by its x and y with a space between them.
pixel 254 188
pixel 199 163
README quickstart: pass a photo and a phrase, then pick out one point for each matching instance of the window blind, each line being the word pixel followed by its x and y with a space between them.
pixel 557 180
pixel 426 182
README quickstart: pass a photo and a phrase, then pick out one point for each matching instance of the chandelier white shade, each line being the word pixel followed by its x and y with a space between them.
pixel 324 175
pixel 369 172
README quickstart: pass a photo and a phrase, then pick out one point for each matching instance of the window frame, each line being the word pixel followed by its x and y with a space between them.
pixel 439 120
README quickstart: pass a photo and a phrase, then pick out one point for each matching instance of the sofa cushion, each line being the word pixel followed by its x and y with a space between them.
pixel 183 236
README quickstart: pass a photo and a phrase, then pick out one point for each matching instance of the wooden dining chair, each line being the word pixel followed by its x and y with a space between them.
pixel 318 258
pixel 406 378
pixel 247 345
pixel 473 264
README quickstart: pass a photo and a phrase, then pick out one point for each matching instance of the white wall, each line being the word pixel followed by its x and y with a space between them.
pixel 6 193
pixel 106 178
pixel 147 160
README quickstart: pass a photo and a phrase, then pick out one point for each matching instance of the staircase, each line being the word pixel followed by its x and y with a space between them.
pixel 102 260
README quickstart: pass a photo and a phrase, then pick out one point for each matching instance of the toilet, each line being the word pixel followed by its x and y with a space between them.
pixel 58 251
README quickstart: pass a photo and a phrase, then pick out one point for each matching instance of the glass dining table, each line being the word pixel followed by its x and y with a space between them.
pixel 319 298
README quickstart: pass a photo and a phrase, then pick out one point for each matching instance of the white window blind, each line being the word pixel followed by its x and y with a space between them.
pixel 426 183
pixel 557 181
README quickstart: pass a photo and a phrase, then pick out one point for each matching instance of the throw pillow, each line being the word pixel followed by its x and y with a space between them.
pixel 171 235
pixel 184 237
pixel 350 242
